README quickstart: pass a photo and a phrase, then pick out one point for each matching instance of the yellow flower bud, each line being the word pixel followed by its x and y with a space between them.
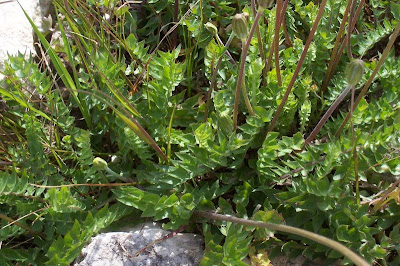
pixel 100 164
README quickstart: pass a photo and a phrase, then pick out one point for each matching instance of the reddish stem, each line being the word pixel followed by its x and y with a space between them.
pixel 371 78
pixel 297 70
pixel 276 41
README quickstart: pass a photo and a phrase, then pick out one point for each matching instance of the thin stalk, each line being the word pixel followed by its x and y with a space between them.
pixel 244 92
pixel 259 39
pixel 337 56
pixel 241 69
pixel 352 18
pixel 336 46
pixel 23 217
pixel 371 78
pixel 328 113
pixel 114 174
pixel 297 70
pixel 214 77
pixel 140 77
pixel 286 33
pixel 169 133
pixel 351 255
pixel 354 140
pixel 276 41
pixel 10 220
pixel 267 65
pixel 88 185
pixel 175 34
pixel 129 120
pixel 147 87
pixel 226 51
pixel 25 196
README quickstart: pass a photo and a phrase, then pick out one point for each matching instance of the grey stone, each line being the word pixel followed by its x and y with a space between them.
pixel 15 30
pixel 119 248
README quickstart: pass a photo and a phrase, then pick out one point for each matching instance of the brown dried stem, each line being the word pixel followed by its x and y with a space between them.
pixel 276 41
pixel 297 70
pixel 328 113
pixel 334 60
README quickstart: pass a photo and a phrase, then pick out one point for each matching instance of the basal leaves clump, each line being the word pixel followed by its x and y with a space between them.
pixel 128 115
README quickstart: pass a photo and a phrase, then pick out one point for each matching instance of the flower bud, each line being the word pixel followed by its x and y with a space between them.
pixel 100 164
pixel 264 4
pixel 239 26
pixel 354 72
pixel 211 28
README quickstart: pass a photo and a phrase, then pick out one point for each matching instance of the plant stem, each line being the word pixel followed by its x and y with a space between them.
pixel 259 39
pixel 241 70
pixel 214 77
pixel 226 51
pixel 371 78
pixel 276 41
pixel 285 31
pixel 27 228
pixel 114 174
pixel 278 20
pixel 297 70
pixel 350 28
pixel 332 67
pixel 175 34
pixel 336 46
pixel 244 92
pixel 351 255
pixel 328 113
pixel 354 140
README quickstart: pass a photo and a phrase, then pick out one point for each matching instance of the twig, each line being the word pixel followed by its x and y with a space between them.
pixel 10 220
pixel 88 185
pixel 326 116
pixel 22 217
pixel 351 255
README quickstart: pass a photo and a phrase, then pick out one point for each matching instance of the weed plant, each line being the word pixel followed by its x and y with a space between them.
pixel 135 113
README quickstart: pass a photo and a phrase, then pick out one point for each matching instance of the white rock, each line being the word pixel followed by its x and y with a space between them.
pixel 16 33
pixel 119 248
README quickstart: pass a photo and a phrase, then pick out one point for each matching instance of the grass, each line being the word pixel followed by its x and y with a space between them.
pixel 155 96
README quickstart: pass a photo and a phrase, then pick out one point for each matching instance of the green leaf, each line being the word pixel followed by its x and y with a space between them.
pixel 347 234
pixel 61 200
